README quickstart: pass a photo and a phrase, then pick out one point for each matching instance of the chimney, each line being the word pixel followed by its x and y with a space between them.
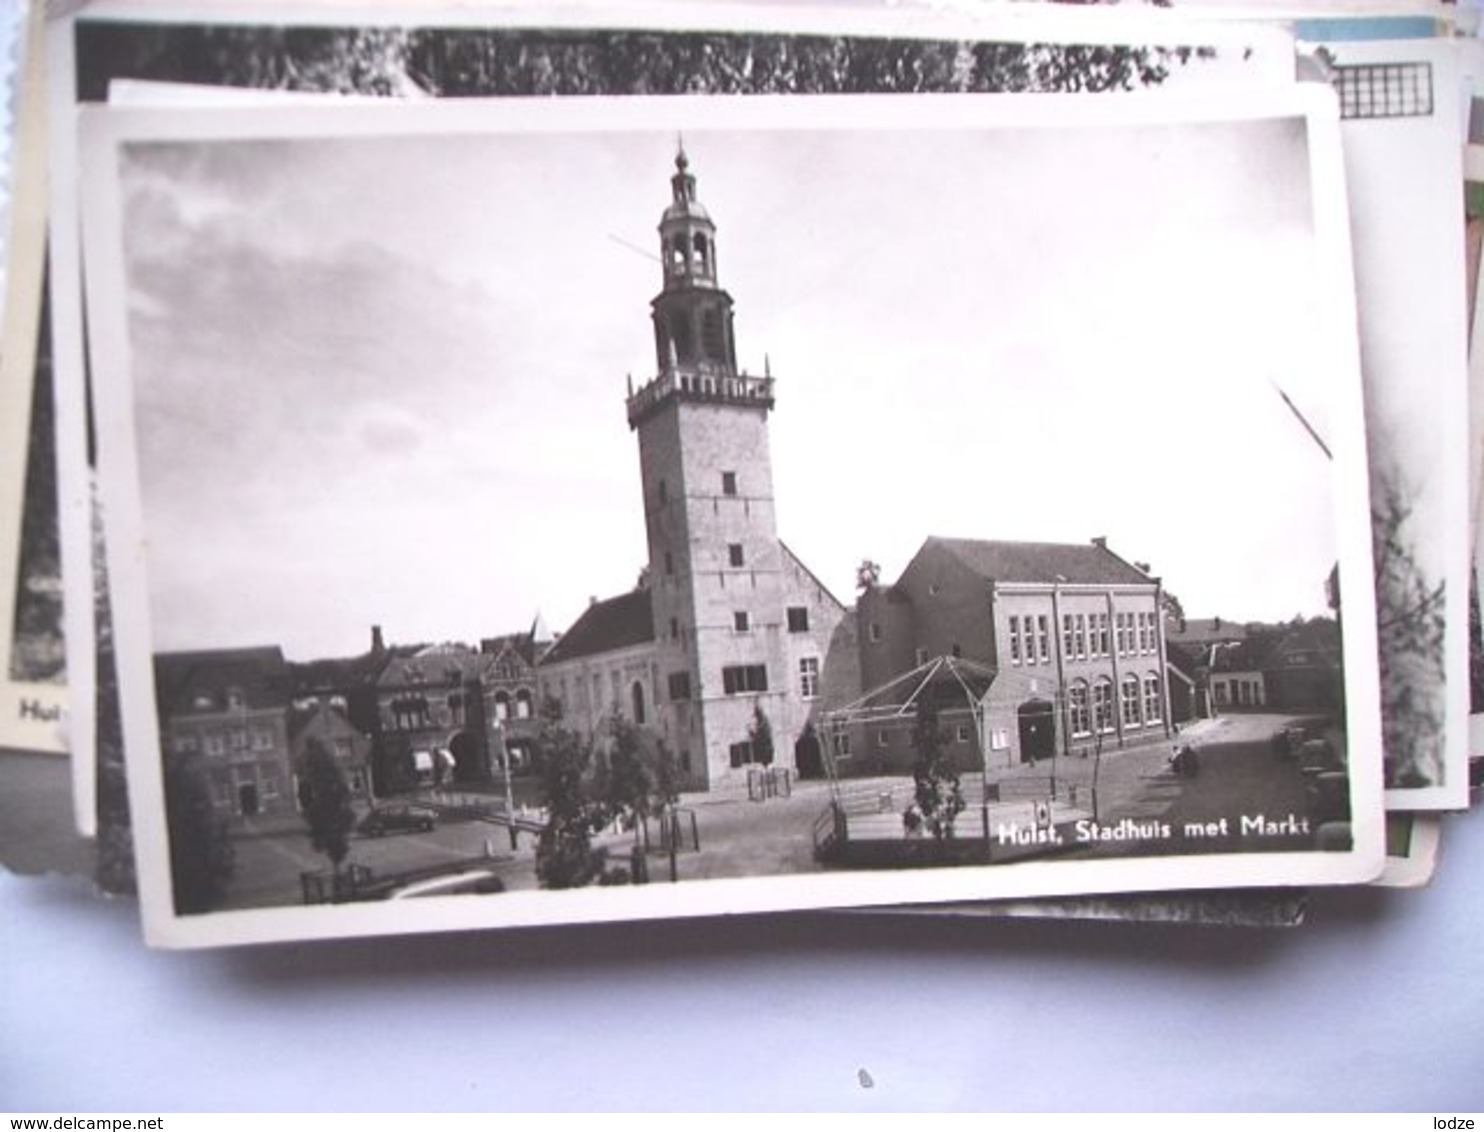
pixel 378 646
pixel 1101 542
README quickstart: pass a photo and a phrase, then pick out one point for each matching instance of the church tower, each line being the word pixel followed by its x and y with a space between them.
pixel 714 558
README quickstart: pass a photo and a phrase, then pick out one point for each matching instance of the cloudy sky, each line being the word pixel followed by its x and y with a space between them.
pixel 380 379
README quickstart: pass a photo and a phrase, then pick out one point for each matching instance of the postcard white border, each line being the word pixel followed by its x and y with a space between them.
pixel 32 715
pixel 105 128
pixel 1414 870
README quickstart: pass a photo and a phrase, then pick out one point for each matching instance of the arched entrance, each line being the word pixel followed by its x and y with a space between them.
pixel 1037 731
pixel 808 756
pixel 468 765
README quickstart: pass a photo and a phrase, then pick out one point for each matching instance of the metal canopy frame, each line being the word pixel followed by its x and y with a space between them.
pixel 894 704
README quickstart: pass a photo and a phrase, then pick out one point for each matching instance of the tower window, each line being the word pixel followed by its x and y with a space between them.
pixel 798 619
pixel 674 628
pixel 712 337
pixel 729 483
pixel 736 678
pixel 663 492
pixel 741 621
pixel 809 677
pixel 734 553
pixel 669 563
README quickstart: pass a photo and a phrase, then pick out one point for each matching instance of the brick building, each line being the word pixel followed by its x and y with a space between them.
pixel 1068 637
pixel 228 710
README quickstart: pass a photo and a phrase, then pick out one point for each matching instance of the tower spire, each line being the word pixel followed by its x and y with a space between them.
pixel 695 352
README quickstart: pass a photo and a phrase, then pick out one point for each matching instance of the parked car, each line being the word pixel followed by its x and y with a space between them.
pixel 398 818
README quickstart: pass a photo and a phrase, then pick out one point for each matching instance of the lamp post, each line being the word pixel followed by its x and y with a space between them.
pixel 504 755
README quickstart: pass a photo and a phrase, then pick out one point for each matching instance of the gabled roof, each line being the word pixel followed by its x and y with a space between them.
pixel 1316 641
pixel 1041 562
pixel 810 574
pixel 435 666
pixel 207 680
pixel 606 626
pixel 322 717
pixel 1200 631
pixel 522 645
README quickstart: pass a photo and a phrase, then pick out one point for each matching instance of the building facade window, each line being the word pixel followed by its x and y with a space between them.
pixel 741 622
pixel 875 631
pixel 1130 693
pixel 1081 721
pixel 741 753
pixel 798 619
pixel 734 554
pixel 1152 711
pixel 502 707
pixel 1081 636
pixel 636 695
pixel 1102 705
pixel 679 683
pixel 809 677
pixel 1044 638
pixel 738 678
pixel 729 483
pixel 1014 640
pixel 1066 636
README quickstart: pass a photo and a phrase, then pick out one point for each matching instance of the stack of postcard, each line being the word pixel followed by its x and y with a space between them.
pixel 589 463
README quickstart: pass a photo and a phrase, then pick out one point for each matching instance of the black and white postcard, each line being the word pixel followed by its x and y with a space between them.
pixel 1400 104
pixel 630 508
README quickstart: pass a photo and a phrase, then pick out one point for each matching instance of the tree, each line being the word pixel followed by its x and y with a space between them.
pixel 627 780
pixel 565 857
pixel 760 734
pixel 462 62
pixel 1410 629
pixel 201 856
pixel 935 783
pixel 1173 609
pixel 326 803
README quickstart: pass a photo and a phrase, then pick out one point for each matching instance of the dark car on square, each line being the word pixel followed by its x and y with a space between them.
pixel 397 818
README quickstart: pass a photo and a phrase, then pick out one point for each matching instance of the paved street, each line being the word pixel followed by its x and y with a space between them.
pixel 1239 778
